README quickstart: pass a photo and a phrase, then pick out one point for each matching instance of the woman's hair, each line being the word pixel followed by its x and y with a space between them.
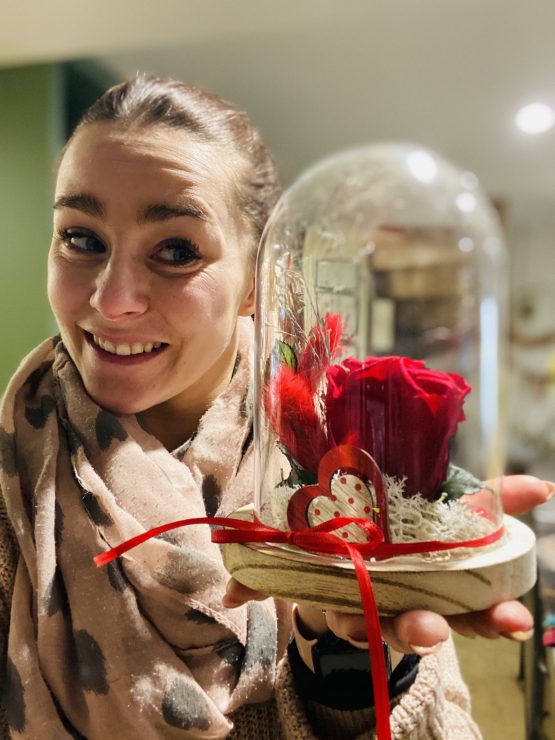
pixel 151 101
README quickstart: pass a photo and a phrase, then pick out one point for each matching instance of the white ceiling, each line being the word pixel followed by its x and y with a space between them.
pixel 320 75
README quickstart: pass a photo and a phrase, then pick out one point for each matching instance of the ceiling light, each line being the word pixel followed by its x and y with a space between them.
pixel 535 118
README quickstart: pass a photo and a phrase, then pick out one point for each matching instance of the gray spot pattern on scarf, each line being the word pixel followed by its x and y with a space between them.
pixel 184 706
pixel 108 429
pixel 97 515
pixel 211 493
pixel 262 638
pixel 55 596
pixel 116 576
pixel 91 663
pixel 245 408
pixel 13 699
pixel 7 452
pixel 168 537
pixel 184 569
pixel 37 416
pixel 34 379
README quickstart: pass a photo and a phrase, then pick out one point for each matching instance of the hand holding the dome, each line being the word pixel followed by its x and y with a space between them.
pixel 423 631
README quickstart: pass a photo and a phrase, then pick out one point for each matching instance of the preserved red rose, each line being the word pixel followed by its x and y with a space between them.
pixel 399 411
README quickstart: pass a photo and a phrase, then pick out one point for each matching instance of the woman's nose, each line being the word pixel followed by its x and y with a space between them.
pixel 120 290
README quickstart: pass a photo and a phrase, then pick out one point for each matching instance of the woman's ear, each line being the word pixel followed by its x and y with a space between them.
pixel 249 300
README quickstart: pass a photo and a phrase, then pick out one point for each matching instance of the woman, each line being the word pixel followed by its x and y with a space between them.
pixel 138 414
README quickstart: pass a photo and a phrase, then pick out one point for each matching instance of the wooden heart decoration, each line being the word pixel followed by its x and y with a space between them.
pixel 349 484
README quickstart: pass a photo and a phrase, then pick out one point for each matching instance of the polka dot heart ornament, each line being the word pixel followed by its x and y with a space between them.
pixel 350 484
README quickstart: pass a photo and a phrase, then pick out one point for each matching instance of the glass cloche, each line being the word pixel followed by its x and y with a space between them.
pixel 379 341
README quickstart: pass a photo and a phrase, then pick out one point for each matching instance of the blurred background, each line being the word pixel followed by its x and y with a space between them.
pixel 316 76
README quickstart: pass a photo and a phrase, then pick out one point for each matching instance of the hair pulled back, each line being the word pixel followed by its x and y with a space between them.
pixel 151 101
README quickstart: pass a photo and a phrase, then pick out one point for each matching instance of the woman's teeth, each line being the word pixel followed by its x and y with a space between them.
pixel 125 349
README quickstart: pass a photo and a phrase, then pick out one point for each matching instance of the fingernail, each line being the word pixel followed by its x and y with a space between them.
pixel 550 489
pixel 424 650
pixel 519 635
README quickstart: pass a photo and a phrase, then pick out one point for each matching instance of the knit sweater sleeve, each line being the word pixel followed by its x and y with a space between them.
pixel 8 562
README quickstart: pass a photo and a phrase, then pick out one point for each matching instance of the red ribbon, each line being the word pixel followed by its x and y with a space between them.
pixel 322 540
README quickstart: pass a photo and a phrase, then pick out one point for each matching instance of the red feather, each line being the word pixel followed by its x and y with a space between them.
pixel 290 406
pixel 321 348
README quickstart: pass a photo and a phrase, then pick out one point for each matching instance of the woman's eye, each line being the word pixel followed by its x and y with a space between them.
pixel 81 241
pixel 178 252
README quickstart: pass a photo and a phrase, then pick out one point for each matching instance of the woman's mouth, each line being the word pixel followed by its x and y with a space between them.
pixel 124 352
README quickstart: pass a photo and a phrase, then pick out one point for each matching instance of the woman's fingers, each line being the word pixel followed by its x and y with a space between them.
pixel 350 627
pixel 417 631
pixel 422 632
pixel 508 619
pixel 236 594
pixel 520 493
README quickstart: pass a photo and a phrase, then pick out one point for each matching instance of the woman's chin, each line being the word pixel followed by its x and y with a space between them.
pixel 118 404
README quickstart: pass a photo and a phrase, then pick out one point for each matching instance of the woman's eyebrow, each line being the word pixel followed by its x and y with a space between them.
pixel 155 212
pixel 81 202
pixel 165 212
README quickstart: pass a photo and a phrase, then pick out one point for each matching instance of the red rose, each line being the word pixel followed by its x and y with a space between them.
pixel 400 412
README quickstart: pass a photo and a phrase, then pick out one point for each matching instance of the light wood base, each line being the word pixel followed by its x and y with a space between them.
pixel 453 586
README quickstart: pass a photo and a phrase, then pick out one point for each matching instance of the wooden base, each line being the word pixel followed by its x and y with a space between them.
pixel 451 586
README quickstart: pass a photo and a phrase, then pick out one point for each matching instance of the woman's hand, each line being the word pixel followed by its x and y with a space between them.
pixel 420 631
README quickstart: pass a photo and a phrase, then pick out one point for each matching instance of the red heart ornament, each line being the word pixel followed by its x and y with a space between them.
pixel 349 484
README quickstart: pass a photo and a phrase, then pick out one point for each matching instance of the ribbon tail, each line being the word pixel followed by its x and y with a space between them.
pixel 375 647
pixel 104 558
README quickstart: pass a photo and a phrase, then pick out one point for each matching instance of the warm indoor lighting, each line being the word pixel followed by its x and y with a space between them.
pixel 535 118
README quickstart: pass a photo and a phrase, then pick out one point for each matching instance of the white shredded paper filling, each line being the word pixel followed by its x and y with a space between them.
pixel 417 519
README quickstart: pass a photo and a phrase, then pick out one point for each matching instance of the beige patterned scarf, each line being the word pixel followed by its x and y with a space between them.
pixel 143 647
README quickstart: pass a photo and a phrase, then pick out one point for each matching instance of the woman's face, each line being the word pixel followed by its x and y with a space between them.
pixel 149 267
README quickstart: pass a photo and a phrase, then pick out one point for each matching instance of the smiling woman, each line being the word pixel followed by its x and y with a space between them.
pixel 139 413
pixel 128 271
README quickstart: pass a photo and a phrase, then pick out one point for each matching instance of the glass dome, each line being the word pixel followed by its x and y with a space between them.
pixel 379 341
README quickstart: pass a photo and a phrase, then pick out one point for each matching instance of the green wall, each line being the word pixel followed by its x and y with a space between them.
pixel 31 133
